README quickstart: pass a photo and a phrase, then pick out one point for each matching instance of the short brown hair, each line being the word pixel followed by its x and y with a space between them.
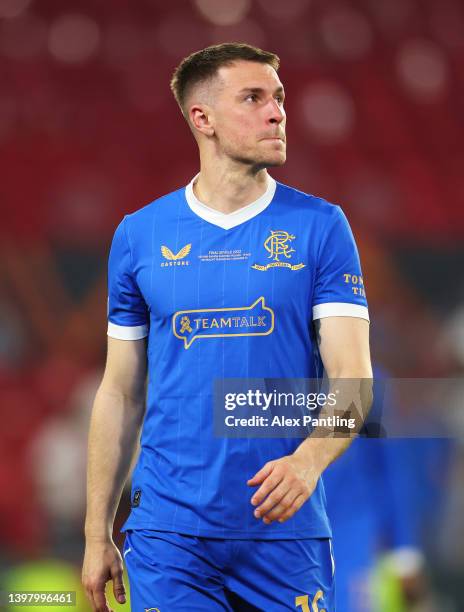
pixel 204 64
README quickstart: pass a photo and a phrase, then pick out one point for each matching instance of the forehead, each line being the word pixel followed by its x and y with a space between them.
pixel 245 74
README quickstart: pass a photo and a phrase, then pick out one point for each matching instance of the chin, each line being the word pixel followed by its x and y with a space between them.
pixel 260 159
pixel 276 160
pixel 276 157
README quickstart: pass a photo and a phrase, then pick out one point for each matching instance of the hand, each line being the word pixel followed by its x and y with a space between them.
pixel 102 562
pixel 414 587
pixel 286 484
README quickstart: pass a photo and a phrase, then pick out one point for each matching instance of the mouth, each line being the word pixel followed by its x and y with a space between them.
pixel 276 138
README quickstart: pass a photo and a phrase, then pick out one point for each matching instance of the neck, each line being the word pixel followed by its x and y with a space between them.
pixel 229 189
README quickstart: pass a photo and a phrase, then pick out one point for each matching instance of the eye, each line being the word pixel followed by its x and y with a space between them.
pixel 252 96
pixel 280 99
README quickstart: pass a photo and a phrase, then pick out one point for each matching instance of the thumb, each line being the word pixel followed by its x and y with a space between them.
pixel 261 475
pixel 119 589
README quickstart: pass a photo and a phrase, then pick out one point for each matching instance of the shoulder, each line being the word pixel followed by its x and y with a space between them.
pixel 163 204
pixel 308 203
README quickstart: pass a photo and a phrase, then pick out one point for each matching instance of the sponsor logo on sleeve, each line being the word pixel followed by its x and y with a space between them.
pixel 356 282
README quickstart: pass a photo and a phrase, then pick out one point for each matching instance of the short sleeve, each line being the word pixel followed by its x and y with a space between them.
pixel 127 310
pixel 339 286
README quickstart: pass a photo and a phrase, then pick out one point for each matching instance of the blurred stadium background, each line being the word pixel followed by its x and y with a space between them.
pixel 89 131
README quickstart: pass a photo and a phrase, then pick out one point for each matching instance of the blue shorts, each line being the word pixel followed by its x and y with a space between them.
pixel 169 571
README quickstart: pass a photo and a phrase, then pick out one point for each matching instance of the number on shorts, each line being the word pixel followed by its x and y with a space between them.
pixel 303 601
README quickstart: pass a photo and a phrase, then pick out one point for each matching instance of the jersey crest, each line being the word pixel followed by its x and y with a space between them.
pixel 278 246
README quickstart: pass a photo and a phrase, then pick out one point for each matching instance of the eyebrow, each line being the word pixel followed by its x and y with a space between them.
pixel 260 90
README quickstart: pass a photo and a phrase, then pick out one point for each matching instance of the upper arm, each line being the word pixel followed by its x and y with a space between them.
pixel 128 317
pixel 339 307
pixel 126 367
pixel 338 284
pixel 128 322
pixel 344 346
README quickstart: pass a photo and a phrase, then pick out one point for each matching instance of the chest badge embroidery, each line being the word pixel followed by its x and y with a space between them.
pixel 278 245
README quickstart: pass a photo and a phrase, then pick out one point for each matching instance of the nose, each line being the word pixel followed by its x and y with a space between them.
pixel 276 112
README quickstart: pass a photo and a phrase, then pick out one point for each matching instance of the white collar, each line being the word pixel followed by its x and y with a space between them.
pixel 229 220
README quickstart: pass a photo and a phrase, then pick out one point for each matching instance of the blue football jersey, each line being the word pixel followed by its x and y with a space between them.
pixel 224 296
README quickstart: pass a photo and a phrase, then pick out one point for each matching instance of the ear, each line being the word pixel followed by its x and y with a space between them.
pixel 201 119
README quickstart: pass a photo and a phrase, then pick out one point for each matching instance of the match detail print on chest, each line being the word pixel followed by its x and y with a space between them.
pixel 277 250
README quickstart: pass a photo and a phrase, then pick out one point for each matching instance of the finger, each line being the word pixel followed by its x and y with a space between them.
pixel 299 501
pixel 99 598
pixel 268 485
pixel 283 506
pixel 273 499
pixel 119 589
pixel 89 595
pixel 261 475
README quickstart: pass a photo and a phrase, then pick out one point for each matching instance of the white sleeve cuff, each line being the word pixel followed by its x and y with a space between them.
pixel 340 309
pixel 125 332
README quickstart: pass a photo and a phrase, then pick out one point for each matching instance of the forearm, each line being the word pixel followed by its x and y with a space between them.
pixel 325 444
pixel 113 434
pixel 319 453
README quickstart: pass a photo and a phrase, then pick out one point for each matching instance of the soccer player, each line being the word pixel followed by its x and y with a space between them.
pixel 233 276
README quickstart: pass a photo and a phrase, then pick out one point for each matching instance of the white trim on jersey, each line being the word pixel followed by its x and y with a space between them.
pixel 229 220
pixel 127 332
pixel 340 309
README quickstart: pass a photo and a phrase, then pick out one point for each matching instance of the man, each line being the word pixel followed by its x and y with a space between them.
pixel 224 279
